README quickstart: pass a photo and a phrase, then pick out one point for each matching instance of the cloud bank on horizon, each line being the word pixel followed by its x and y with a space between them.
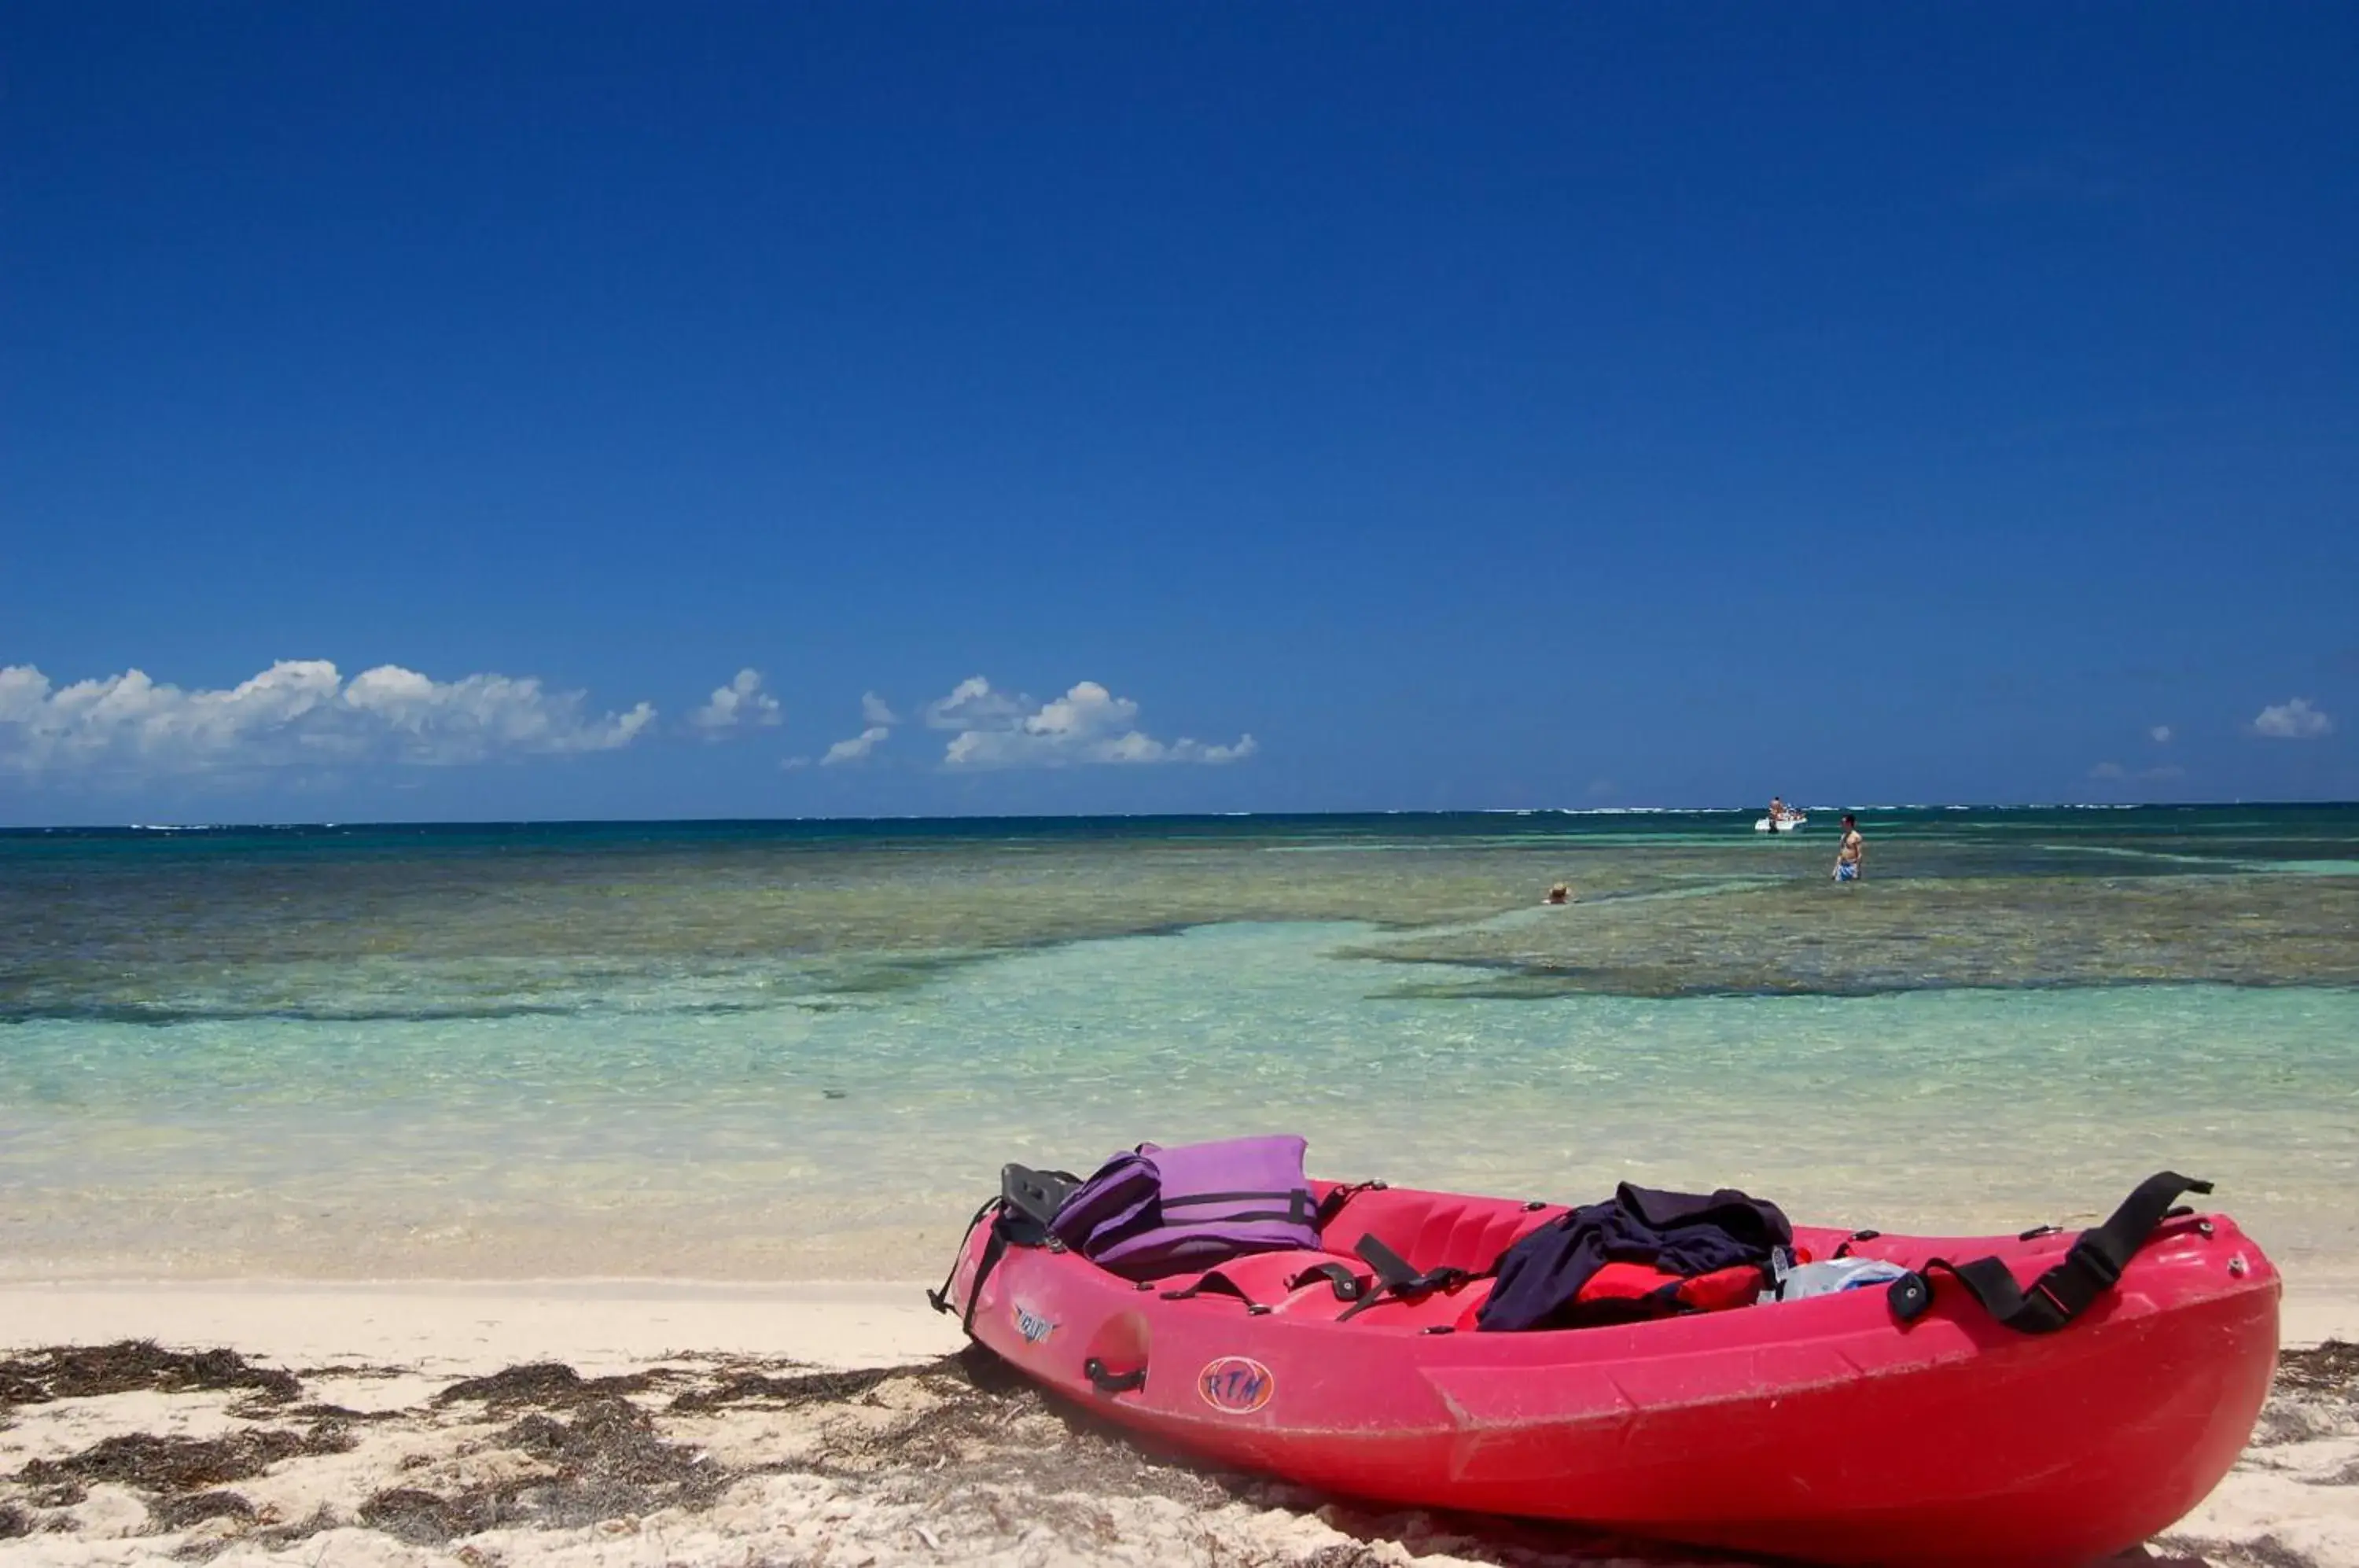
pixel 996 729
pixel 302 712
pixel 1087 724
pixel 297 711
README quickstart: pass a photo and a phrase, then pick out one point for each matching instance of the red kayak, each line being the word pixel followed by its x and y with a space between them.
pixel 1900 1425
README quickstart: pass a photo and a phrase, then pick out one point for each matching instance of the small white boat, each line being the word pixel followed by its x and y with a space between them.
pixel 1790 822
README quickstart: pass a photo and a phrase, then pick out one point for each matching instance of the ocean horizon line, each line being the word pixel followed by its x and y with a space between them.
pixel 295 825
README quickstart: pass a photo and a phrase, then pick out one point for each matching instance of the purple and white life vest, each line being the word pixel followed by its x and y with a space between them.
pixel 1156 1211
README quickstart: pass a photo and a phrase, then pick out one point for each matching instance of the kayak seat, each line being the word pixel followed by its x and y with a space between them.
pixel 1301 1283
pixel 1435 1230
pixel 1269 1279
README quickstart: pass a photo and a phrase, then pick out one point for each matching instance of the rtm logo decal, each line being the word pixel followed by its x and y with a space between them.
pixel 1030 1324
pixel 1236 1384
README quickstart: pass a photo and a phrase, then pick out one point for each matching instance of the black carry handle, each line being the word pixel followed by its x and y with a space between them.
pixel 2090 1269
pixel 1106 1382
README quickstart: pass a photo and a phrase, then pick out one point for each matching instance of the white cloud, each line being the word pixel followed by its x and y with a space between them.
pixel 972 704
pixel 1087 724
pixel 296 711
pixel 880 718
pixel 2160 735
pixel 857 747
pixel 2295 720
pixel 741 704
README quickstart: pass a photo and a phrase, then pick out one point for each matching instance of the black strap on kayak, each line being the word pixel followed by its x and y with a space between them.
pixel 1020 1216
pixel 942 1299
pixel 1215 1283
pixel 1347 1286
pixel 1333 1204
pixel 994 1248
pixel 1396 1277
pixel 2091 1268
pixel 1340 1279
pixel 1299 1209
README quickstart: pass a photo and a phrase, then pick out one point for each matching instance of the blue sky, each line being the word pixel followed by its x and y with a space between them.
pixel 1268 407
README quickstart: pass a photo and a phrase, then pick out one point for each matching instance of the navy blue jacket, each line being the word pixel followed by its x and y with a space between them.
pixel 1682 1233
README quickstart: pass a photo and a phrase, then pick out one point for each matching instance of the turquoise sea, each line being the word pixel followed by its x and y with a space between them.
pixel 802 1050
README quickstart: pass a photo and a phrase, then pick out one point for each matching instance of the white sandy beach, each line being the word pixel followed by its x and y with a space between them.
pixel 715 1438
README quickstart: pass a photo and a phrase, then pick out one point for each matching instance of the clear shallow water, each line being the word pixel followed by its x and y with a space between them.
pixel 778 1051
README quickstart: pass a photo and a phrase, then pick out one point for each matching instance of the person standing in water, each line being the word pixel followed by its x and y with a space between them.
pixel 1852 853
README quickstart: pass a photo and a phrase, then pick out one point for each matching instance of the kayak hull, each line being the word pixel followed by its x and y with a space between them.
pixel 1819 1430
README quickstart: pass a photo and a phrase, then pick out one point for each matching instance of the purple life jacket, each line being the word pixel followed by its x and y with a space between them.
pixel 1156 1211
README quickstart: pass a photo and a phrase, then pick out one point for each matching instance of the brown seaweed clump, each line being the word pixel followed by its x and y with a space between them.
pixel 2329 1368
pixel 606 1463
pixel 181 1513
pixel 542 1384
pixel 130 1366
pixel 155 1463
pixel 804 1389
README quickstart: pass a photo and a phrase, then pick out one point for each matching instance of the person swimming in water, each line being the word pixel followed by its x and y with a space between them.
pixel 1851 853
pixel 1559 893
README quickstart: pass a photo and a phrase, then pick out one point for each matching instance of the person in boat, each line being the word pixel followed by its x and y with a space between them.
pixel 1559 893
pixel 1851 853
pixel 1778 812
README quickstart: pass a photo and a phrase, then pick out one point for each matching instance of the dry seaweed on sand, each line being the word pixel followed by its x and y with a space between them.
pixel 427 1518
pixel 75 1372
pixel 179 1513
pixel 802 1388
pixel 606 1463
pixel 261 1410
pixel 2329 1368
pixel 181 1464
pixel 981 1455
pixel 2315 1395
pixel 546 1385
pixel 2268 1552
pixel 980 1419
